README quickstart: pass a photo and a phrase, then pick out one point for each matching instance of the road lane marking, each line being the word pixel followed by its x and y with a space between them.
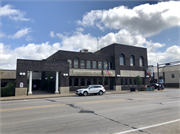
pixel 142 128
pixel 76 103
pixel 31 107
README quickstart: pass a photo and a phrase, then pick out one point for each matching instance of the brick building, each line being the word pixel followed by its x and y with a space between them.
pixel 69 70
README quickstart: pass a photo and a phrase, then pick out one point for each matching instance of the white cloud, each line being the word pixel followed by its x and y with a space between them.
pixel 78 41
pixel 20 33
pixel 2 34
pixel 52 34
pixel 13 14
pixel 28 38
pixel 33 51
pixel 143 19
pixel 152 47
pixel 79 29
pixel 171 54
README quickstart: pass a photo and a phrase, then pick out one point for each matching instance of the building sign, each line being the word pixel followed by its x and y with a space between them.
pixel 90 72
pixel 161 81
pixel 21 84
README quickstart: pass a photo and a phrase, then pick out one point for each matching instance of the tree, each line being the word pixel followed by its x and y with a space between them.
pixel 138 81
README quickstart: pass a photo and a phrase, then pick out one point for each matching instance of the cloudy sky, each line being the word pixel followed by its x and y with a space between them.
pixel 37 29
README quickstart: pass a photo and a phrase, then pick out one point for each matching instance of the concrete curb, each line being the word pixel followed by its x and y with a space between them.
pixel 52 96
pixel 66 95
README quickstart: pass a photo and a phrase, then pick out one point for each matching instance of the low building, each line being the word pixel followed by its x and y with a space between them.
pixel 168 75
pixel 114 66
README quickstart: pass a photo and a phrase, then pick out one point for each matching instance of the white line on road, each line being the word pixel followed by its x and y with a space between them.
pixel 133 130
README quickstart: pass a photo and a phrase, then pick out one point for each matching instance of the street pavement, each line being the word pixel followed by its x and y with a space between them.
pixel 130 112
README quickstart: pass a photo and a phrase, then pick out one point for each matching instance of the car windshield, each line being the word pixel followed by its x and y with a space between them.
pixel 88 86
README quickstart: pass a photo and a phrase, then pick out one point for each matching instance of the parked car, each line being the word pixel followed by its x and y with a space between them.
pixel 91 89
pixel 155 85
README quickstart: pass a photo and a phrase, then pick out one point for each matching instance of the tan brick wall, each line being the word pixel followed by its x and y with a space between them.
pixel 8 74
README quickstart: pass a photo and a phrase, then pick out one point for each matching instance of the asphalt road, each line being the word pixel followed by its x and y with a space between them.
pixel 131 113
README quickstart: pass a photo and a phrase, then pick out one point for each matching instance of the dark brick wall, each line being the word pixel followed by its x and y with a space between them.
pixel 34 65
pixel 115 50
pixel 64 55
pixel 58 62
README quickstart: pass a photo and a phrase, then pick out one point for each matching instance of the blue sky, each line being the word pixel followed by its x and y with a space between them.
pixel 37 29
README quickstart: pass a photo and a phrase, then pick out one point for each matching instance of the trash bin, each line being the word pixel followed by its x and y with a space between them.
pixel 132 89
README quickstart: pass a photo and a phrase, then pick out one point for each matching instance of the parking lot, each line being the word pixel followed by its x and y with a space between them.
pixel 133 113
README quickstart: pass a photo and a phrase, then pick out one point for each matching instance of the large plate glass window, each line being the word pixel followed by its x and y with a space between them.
pixel 82 81
pixel 76 81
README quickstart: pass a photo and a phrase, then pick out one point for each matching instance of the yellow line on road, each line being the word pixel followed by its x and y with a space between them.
pixel 31 107
pixel 43 106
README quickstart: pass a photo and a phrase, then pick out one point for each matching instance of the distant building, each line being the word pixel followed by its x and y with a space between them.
pixel 66 71
pixel 168 75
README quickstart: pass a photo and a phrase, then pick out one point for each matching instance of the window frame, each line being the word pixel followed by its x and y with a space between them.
pixel 81 64
pixel 122 59
pixel 88 66
pixel 141 61
pixel 132 60
pixel 98 64
pixel 76 60
pixel 94 63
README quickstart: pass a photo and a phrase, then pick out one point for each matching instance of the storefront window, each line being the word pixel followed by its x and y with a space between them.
pixel 106 81
pixel 100 81
pixel 122 81
pixel 70 81
pixel 94 81
pixel 76 82
pixel 130 81
pixel 88 81
pixel 126 81
pixel 82 81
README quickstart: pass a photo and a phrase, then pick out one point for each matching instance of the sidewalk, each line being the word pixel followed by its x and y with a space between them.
pixel 71 94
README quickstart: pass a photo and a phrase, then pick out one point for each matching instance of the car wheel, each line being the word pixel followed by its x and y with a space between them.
pixel 100 93
pixel 85 93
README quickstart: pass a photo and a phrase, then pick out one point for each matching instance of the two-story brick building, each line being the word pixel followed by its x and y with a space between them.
pixel 72 70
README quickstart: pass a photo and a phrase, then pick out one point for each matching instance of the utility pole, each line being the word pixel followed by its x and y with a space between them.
pixel 97 43
pixel 158 73
pixel 102 72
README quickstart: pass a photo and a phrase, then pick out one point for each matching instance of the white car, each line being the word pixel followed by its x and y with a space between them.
pixel 91 89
